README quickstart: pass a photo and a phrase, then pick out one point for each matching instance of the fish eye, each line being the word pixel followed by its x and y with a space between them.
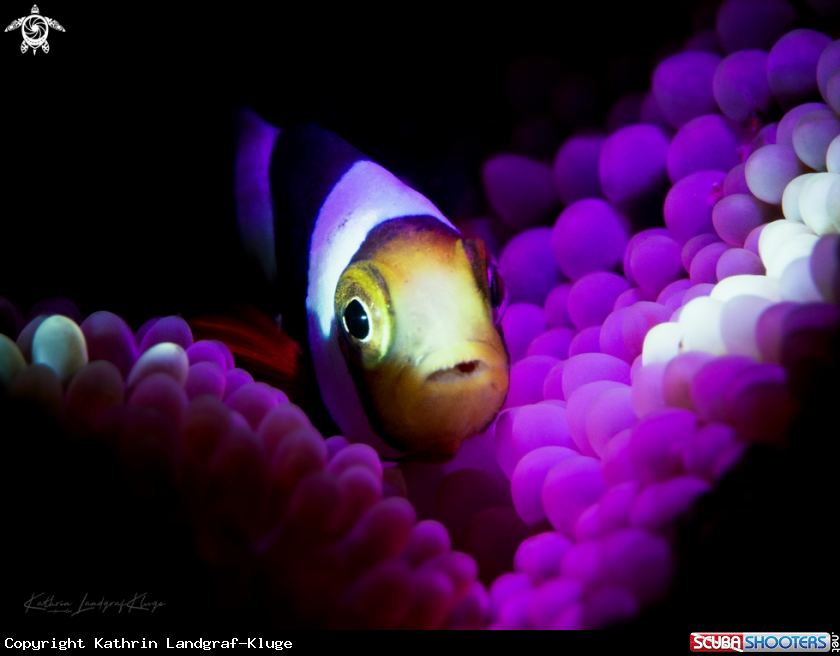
pixel 363 314
pixel 498 292
pixel 482 260
pixel 494 281
pixel 356 321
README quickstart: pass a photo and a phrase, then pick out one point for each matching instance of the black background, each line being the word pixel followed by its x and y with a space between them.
pixel 116 187
pixel 118 144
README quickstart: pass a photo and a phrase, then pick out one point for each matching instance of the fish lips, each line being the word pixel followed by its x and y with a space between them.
pixel 449 395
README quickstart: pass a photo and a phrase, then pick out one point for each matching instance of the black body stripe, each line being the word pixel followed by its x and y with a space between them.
pixel 306 163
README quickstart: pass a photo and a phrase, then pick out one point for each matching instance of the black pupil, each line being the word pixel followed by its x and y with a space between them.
pixel 356 319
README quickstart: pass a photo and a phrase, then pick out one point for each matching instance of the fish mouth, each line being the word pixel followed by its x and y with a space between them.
pixel 466 363
pixel 446 397
pixel 462 370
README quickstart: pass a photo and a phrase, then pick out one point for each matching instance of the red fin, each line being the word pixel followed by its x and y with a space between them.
pixel 259 347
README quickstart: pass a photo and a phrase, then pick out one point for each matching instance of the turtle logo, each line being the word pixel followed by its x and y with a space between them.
pixel 35 29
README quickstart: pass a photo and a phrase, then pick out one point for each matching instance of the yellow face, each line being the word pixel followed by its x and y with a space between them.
pixel 417 318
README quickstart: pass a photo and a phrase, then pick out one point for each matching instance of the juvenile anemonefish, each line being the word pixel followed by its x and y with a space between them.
pixel 400 312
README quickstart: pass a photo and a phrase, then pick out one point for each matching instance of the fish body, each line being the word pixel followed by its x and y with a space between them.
pixel 400 312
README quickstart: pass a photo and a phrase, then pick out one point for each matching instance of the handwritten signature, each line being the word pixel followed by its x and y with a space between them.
pixel 49 604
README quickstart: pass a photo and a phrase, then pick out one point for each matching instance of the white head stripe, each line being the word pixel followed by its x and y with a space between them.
pixel 364 197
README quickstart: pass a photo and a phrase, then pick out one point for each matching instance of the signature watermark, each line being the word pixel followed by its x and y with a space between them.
pixel 41 602
pixel 34 28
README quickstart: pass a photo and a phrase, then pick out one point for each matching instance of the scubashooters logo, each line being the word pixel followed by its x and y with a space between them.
pixel 34 29
pixel 763 642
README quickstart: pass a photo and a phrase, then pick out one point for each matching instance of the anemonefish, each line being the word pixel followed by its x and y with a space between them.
pixel 400 312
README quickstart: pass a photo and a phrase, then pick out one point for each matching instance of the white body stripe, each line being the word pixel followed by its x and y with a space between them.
pixel 364 197
pixel 254 211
